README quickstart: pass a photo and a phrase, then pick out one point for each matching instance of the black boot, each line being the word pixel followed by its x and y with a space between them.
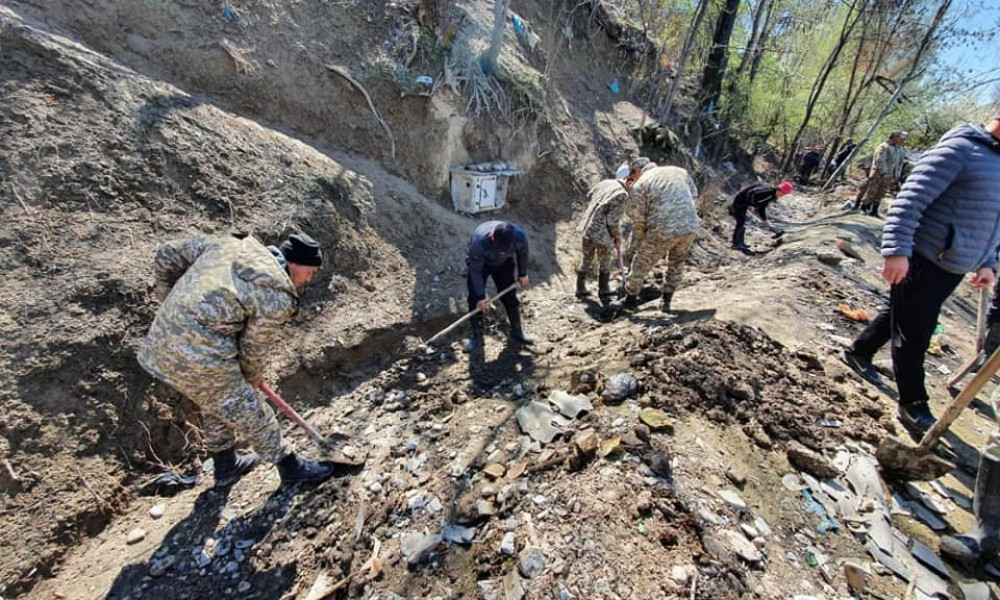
pixel 581 284
pixel 665 301
pixel 604 287
pixel 299 470
pixel 627 304
pixel 476 339
pixel 983 541
pixel 229 467
pixel 516 331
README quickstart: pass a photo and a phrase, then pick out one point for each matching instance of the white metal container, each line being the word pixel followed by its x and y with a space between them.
pixel 476 191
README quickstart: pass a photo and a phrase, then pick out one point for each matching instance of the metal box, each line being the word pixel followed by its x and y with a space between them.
pixel 474 191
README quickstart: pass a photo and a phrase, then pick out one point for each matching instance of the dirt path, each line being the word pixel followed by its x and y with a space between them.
pixel 747 365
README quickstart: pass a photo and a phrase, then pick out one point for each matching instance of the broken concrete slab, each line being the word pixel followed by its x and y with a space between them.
pixel 570 406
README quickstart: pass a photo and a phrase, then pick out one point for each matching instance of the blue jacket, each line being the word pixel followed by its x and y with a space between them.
pixel 483 252
pixel 949 208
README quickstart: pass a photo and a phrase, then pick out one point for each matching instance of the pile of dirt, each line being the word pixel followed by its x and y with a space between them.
pixel 735 374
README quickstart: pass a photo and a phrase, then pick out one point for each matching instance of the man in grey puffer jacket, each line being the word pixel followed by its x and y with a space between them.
pixel 945 222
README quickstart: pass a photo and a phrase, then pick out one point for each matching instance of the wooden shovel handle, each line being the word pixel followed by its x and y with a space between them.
pixel 964 398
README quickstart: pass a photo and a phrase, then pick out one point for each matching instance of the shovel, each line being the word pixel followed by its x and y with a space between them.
pixel 900 460
pixel 427 345
pixel 325 444
pixel 980 341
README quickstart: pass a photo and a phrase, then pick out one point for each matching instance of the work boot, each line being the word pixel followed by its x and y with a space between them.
pixel 627 304
pixel 604 288
pixel 581 284
pixel 476 339
pixel 983 541
pixel 862 366
pixel 516 331
pixel 916 416
pixel 229 467
pixel 300 470
pixel 665 301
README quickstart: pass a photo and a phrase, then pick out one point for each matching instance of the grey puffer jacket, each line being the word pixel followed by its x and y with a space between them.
pixel 949 208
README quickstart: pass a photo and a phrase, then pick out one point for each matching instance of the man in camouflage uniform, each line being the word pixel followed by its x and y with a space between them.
pixel 662 209
pixel 885 172
pixel 601 234
pixel 224 302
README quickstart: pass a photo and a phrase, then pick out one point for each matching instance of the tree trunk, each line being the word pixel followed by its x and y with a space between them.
pixel 715 67
pixel 850 21
pixel 890 104
pixel 759 46
pixel 699 16
pixel 489 60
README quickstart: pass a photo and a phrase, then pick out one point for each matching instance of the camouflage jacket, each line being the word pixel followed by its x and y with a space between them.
pixel 888 160
pixel 227 301
pixel 663 199
pixel 601 222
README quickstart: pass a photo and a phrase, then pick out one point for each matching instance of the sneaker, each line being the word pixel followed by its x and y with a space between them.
pixel 861 366
pixel 916 416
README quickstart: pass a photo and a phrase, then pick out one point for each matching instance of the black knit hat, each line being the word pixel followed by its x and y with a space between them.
pixel 301 249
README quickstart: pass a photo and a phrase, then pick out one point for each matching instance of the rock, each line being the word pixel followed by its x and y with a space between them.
pixel 532 563
pixel 421 378
pixel 806 460
pixel 828 258
pixel 683 574
pixel 642 432
pixel 243 587
pixel 586 442
pixel 657 420
pixel 507 544
pixel 494 470
pixel 512 588
pixel 157 511
pixel 762 527
pixel 856 576
pixel 644 504
pixel 742 547
pixel 489 590
pixel 619 387
pixel 485 508
pixel 660 463
pixel 416 546
pixel 135 536
pixel 160 566
pixel 732 499
pixel 457 534
pixel 737 473
pixel 610 446
pixel 749 531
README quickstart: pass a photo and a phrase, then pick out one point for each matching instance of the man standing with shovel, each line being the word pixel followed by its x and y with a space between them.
pixel 497 250
pixel 224 302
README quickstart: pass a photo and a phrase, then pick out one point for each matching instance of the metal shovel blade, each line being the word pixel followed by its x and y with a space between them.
pixel 900 460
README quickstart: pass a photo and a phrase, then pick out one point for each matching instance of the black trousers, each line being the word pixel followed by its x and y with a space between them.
pixel 909 323
pixel 739 233
pixel 503 276
pixel 994 315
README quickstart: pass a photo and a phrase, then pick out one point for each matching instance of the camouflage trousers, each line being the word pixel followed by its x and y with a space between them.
pixel 650 250
pixel 602 254
pixel 870 197
pixel 230 405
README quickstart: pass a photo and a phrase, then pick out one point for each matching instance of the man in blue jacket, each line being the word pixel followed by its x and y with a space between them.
pixel 499 250
pixel 945 222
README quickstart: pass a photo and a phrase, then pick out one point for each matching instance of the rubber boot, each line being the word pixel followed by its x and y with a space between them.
pixel 604 288
pixel 581 284
pixel 476 339
pixel 983 541
pixel 229 467
pixel 665 301
pixel 516 331
pixel 299 470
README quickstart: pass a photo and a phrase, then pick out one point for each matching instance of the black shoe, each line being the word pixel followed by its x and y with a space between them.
pixel 581 284
pixel 742 248
pixel 299 470
pixel 476 339
pixel 519 336
pixel 916 416
pixel 627 304
pixel 665 300
pixel 861 366
pixel 229 467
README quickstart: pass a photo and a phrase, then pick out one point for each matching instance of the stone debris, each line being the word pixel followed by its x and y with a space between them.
pixel 733 500
pixel 811 462
pixel 135 536
pixel 619 387
pixel 507 544
pixel 586 442
pixel 416 546
pixel 532 563
pixel 656 420
pixel 494 470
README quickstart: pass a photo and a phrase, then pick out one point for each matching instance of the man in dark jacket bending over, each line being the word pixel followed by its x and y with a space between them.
pixel 945 222
pixel 755 196
pixel 499 250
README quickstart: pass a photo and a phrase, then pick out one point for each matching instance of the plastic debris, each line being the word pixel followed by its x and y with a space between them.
pixel 613 86
pixel 855 314
pixel 830 422
pixel 228 13
pixel 827 522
